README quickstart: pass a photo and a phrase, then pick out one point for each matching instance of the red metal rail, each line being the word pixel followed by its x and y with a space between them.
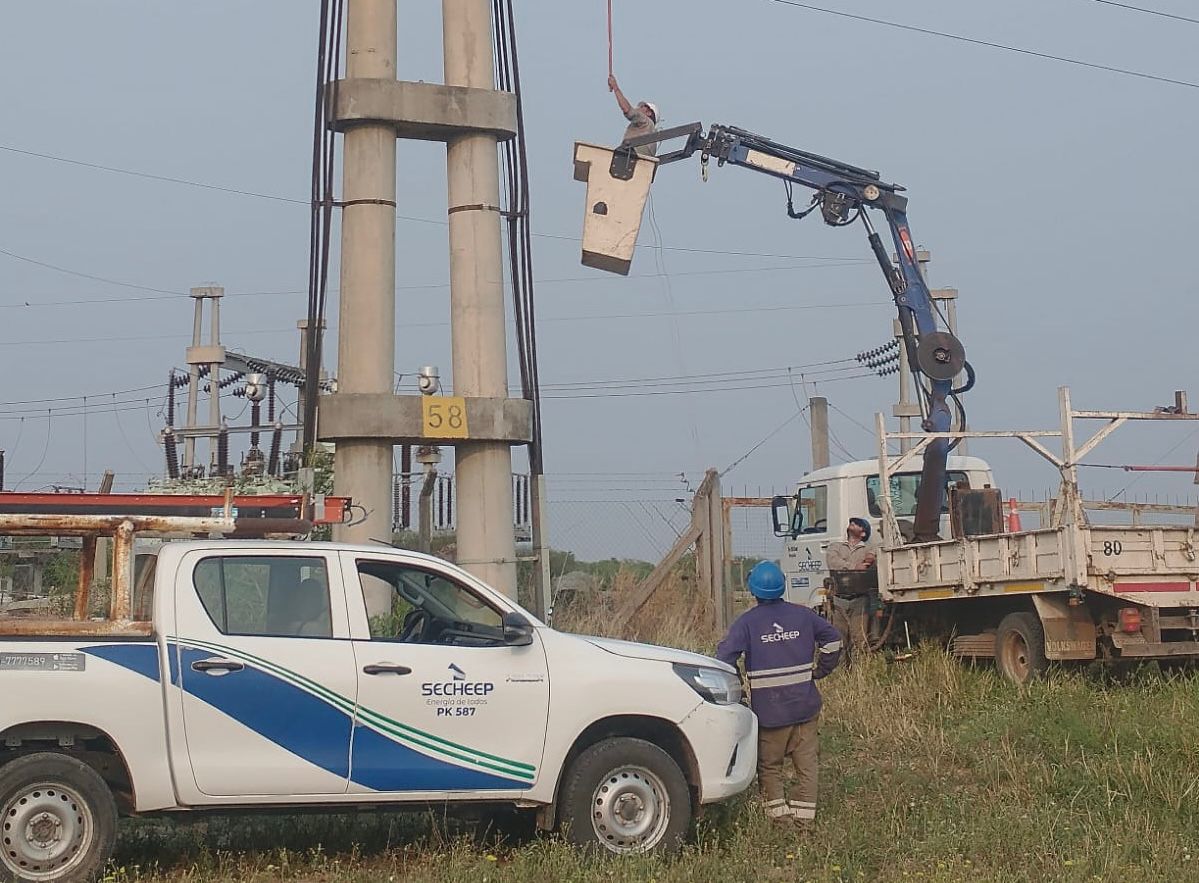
pixel 246 508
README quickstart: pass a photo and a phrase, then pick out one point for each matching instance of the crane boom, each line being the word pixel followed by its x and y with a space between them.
pixel 845 194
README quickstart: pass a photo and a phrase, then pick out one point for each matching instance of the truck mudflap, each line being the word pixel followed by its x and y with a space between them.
pixel 1069 631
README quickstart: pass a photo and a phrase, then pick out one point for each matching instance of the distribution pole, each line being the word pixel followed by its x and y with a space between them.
pixel 366 312
pixel 819 408
pixel 486 544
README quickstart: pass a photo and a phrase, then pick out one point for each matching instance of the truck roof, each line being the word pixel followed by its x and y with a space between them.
pixel 183 546
pixel 862 468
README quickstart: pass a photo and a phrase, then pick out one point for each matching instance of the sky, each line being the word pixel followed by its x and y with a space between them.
pixel 1054 197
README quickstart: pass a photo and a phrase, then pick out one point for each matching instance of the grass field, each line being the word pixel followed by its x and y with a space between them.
pixel 931 771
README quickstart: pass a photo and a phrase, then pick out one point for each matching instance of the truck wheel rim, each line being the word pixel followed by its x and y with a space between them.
pixel 1015 656
pixel 46 830
pixel 630 810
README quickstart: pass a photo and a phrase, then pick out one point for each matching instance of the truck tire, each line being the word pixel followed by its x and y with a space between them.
pixel 623 796
pixel 58 820
pixel 1020 648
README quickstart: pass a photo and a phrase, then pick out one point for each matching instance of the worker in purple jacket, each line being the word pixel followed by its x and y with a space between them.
pixel 786 649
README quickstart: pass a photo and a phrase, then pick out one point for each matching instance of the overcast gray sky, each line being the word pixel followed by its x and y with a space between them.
pixel 1057 199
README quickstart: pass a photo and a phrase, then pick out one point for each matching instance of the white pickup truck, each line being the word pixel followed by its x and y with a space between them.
pixel 280 674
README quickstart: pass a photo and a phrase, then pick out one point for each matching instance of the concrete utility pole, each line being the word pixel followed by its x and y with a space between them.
pixel 818 405
pixel 364 417
pixel 366 312
pixel 486 542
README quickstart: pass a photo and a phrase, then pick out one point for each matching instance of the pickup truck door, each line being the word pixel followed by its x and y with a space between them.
pixel 444 705
pixel 265 674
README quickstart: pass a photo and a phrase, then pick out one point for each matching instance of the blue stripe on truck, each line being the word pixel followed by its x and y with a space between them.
pixel 288 716
pixel 306 725
pixel 382 764
pixel 141 658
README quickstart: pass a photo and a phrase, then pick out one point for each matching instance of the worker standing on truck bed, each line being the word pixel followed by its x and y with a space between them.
pixel 855 553
pixel 643 118
pixel 786 648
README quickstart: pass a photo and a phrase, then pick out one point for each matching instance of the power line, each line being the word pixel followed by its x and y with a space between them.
pixel 75 411
pixel 70 272
pixel 992 45
pixel 93 395
pixel 765 439
pixel 599 317
pixel 175 295
pixel 753 373
pixel 307 203
pixel 1194 21
pixel 152 177
pixel 96 406
pixel 699 385
pixel 853 420
pixel 1156 462
pixel 652 392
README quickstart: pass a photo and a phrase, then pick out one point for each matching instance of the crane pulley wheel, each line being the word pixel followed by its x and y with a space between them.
pixel 940 355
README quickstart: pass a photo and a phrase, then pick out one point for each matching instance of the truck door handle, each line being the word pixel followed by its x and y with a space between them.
pixel 217 666
pixel 386 668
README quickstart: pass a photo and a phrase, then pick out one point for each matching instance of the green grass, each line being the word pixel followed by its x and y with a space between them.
pixel 931 771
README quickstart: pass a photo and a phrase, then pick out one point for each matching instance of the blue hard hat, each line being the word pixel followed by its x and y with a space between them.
pixel 863 524
pixel 766 581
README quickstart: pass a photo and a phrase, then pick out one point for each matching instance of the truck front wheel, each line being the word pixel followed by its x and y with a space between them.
pixel 1020 648
pixel 58 820
pixel 626 796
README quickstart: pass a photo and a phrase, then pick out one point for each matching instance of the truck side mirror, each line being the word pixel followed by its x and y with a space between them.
pixel 786 524
pixel 518 631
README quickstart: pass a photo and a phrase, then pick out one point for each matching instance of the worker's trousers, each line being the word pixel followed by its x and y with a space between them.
pixel 800 744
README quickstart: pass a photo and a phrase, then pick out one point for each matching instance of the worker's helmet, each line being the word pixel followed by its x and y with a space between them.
pixel 863 524
pixel 653 109
pixel 766 581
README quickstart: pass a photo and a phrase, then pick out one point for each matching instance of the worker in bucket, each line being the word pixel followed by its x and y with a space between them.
pixel 643 118
pixel 855 553
pixel 786 648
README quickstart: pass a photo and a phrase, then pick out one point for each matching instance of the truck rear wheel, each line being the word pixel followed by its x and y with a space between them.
pixel 58 820
pixel 624 796
pixel 1020 648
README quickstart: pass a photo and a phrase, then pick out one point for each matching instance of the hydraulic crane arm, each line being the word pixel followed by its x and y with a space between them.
pixel 845 194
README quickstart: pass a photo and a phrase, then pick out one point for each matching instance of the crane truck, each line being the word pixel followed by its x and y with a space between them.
pixel 1070 590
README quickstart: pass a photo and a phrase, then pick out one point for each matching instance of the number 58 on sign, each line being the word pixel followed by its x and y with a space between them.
pixel 444 416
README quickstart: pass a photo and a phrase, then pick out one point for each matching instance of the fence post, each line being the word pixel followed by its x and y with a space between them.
pixel 702 519
pixel 716 551
pixel 730 585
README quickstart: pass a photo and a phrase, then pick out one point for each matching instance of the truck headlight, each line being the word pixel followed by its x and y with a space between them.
pixel 714 685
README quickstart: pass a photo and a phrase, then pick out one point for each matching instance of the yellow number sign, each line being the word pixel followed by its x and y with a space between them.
pixel 444 416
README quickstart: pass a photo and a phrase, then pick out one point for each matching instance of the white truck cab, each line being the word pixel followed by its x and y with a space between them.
pixel 827 498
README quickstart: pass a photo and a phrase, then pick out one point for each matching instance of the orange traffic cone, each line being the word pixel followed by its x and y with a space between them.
pixel 1013 516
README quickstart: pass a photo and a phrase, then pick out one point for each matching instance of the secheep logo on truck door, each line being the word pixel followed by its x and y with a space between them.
pixel 458 696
